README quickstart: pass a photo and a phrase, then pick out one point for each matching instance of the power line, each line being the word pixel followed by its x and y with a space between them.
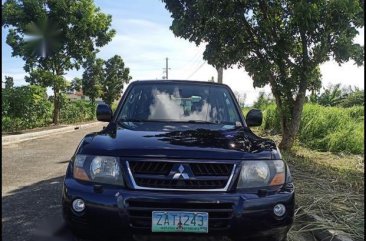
pixel 196 70
pixel 191 63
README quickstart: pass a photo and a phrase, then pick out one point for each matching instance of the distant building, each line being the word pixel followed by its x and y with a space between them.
pixel 78 95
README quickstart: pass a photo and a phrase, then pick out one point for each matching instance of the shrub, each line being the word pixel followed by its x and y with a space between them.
pixel 355 98
pixel 25 107
pixel 263 101
pixel 271 119
pixel 77 111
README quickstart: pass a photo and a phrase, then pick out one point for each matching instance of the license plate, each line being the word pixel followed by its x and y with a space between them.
pixel 179 221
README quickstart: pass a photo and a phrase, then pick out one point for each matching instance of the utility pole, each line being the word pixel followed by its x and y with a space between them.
pixel 220 73
pixel 166 69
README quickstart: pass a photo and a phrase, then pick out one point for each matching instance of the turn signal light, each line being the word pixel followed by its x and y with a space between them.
pixel 278 179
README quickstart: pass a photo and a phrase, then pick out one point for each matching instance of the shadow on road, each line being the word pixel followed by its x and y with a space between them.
pixel 34 213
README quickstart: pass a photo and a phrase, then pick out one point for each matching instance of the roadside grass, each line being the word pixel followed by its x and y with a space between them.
pixel 329 186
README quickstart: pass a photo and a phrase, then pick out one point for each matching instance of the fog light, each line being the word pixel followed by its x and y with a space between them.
pixel 279 210
pixel 78 205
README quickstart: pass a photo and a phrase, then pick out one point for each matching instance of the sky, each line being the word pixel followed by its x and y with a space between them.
pixel 144 41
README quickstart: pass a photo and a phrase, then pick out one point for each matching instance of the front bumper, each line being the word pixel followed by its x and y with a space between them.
pixel 119 210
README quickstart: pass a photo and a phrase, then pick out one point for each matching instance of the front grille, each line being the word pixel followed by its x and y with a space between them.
pixel 180 184
pixel 211 169
pixel 219 214
pixel 172 175
pixel 155 168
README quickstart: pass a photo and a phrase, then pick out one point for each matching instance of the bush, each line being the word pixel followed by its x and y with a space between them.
pixel 355 98
pixel 271 119
pixel 25 107
pixel 322 128
pixel 77 111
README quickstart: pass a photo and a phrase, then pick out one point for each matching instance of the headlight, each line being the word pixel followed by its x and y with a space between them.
pixel 99 169
pixel 261 174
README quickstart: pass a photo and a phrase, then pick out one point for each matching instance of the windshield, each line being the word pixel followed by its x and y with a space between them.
pixel 176 102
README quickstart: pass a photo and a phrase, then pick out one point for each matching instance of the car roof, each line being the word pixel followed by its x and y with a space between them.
pixel 164 81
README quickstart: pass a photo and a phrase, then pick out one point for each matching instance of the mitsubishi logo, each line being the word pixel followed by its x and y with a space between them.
pixel 181 171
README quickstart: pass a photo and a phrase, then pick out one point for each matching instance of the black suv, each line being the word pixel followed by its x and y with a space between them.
pixel 178 157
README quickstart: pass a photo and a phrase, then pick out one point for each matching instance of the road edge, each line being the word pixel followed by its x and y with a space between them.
pixel 6 140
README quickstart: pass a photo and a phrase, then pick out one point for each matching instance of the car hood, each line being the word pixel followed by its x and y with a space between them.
pixel 178 142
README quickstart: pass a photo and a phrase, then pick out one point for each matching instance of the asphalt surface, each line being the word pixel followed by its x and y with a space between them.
pixel 32 175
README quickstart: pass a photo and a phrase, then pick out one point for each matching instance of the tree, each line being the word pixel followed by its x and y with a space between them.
pixel 55 36
pixel 76 84
pixel 278 42
pixel 93 77
pixel 116 76
pixel 331 96
pixel 262 101
pixel 334 95
pixel 9 82
pixel 356 98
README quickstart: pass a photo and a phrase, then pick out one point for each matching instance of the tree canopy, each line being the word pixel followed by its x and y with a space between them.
pixel 116 76
pixel 278 42
pixel 104 79
pixel 54 36
pixel 93 76
pixel 9 82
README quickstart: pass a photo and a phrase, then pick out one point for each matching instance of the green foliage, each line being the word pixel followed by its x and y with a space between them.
pixel 65 34
pixel 322 128
pixel 116 76
pixel 245 110
pixel 93 77
pixel 114 106
pixel 334 95
pixel 28 107
pixel 9 82
pixel 356 98
pixel 103 79
pixel 263 101
pixel 76 84
pixel 77 111
pixel 25 107
pixel 280 43
pixel 271 119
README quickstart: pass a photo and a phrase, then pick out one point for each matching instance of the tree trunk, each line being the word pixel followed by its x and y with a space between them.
pixel 290 123
pixel 220 73
pixel 56 109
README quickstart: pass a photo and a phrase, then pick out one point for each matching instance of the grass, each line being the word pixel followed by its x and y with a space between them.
pixel 332 129
pixel 328 185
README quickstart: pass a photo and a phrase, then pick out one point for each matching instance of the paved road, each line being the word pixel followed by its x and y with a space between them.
pixel 32 174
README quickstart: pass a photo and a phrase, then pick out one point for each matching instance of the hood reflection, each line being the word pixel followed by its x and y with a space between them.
pixel 242 139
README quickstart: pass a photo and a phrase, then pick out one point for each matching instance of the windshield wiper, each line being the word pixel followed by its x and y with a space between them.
pixel 130 120
pixel 201 122
pixel 171 121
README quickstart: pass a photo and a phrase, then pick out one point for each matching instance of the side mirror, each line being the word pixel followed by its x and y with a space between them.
pixel 104 113
pixel 254 117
